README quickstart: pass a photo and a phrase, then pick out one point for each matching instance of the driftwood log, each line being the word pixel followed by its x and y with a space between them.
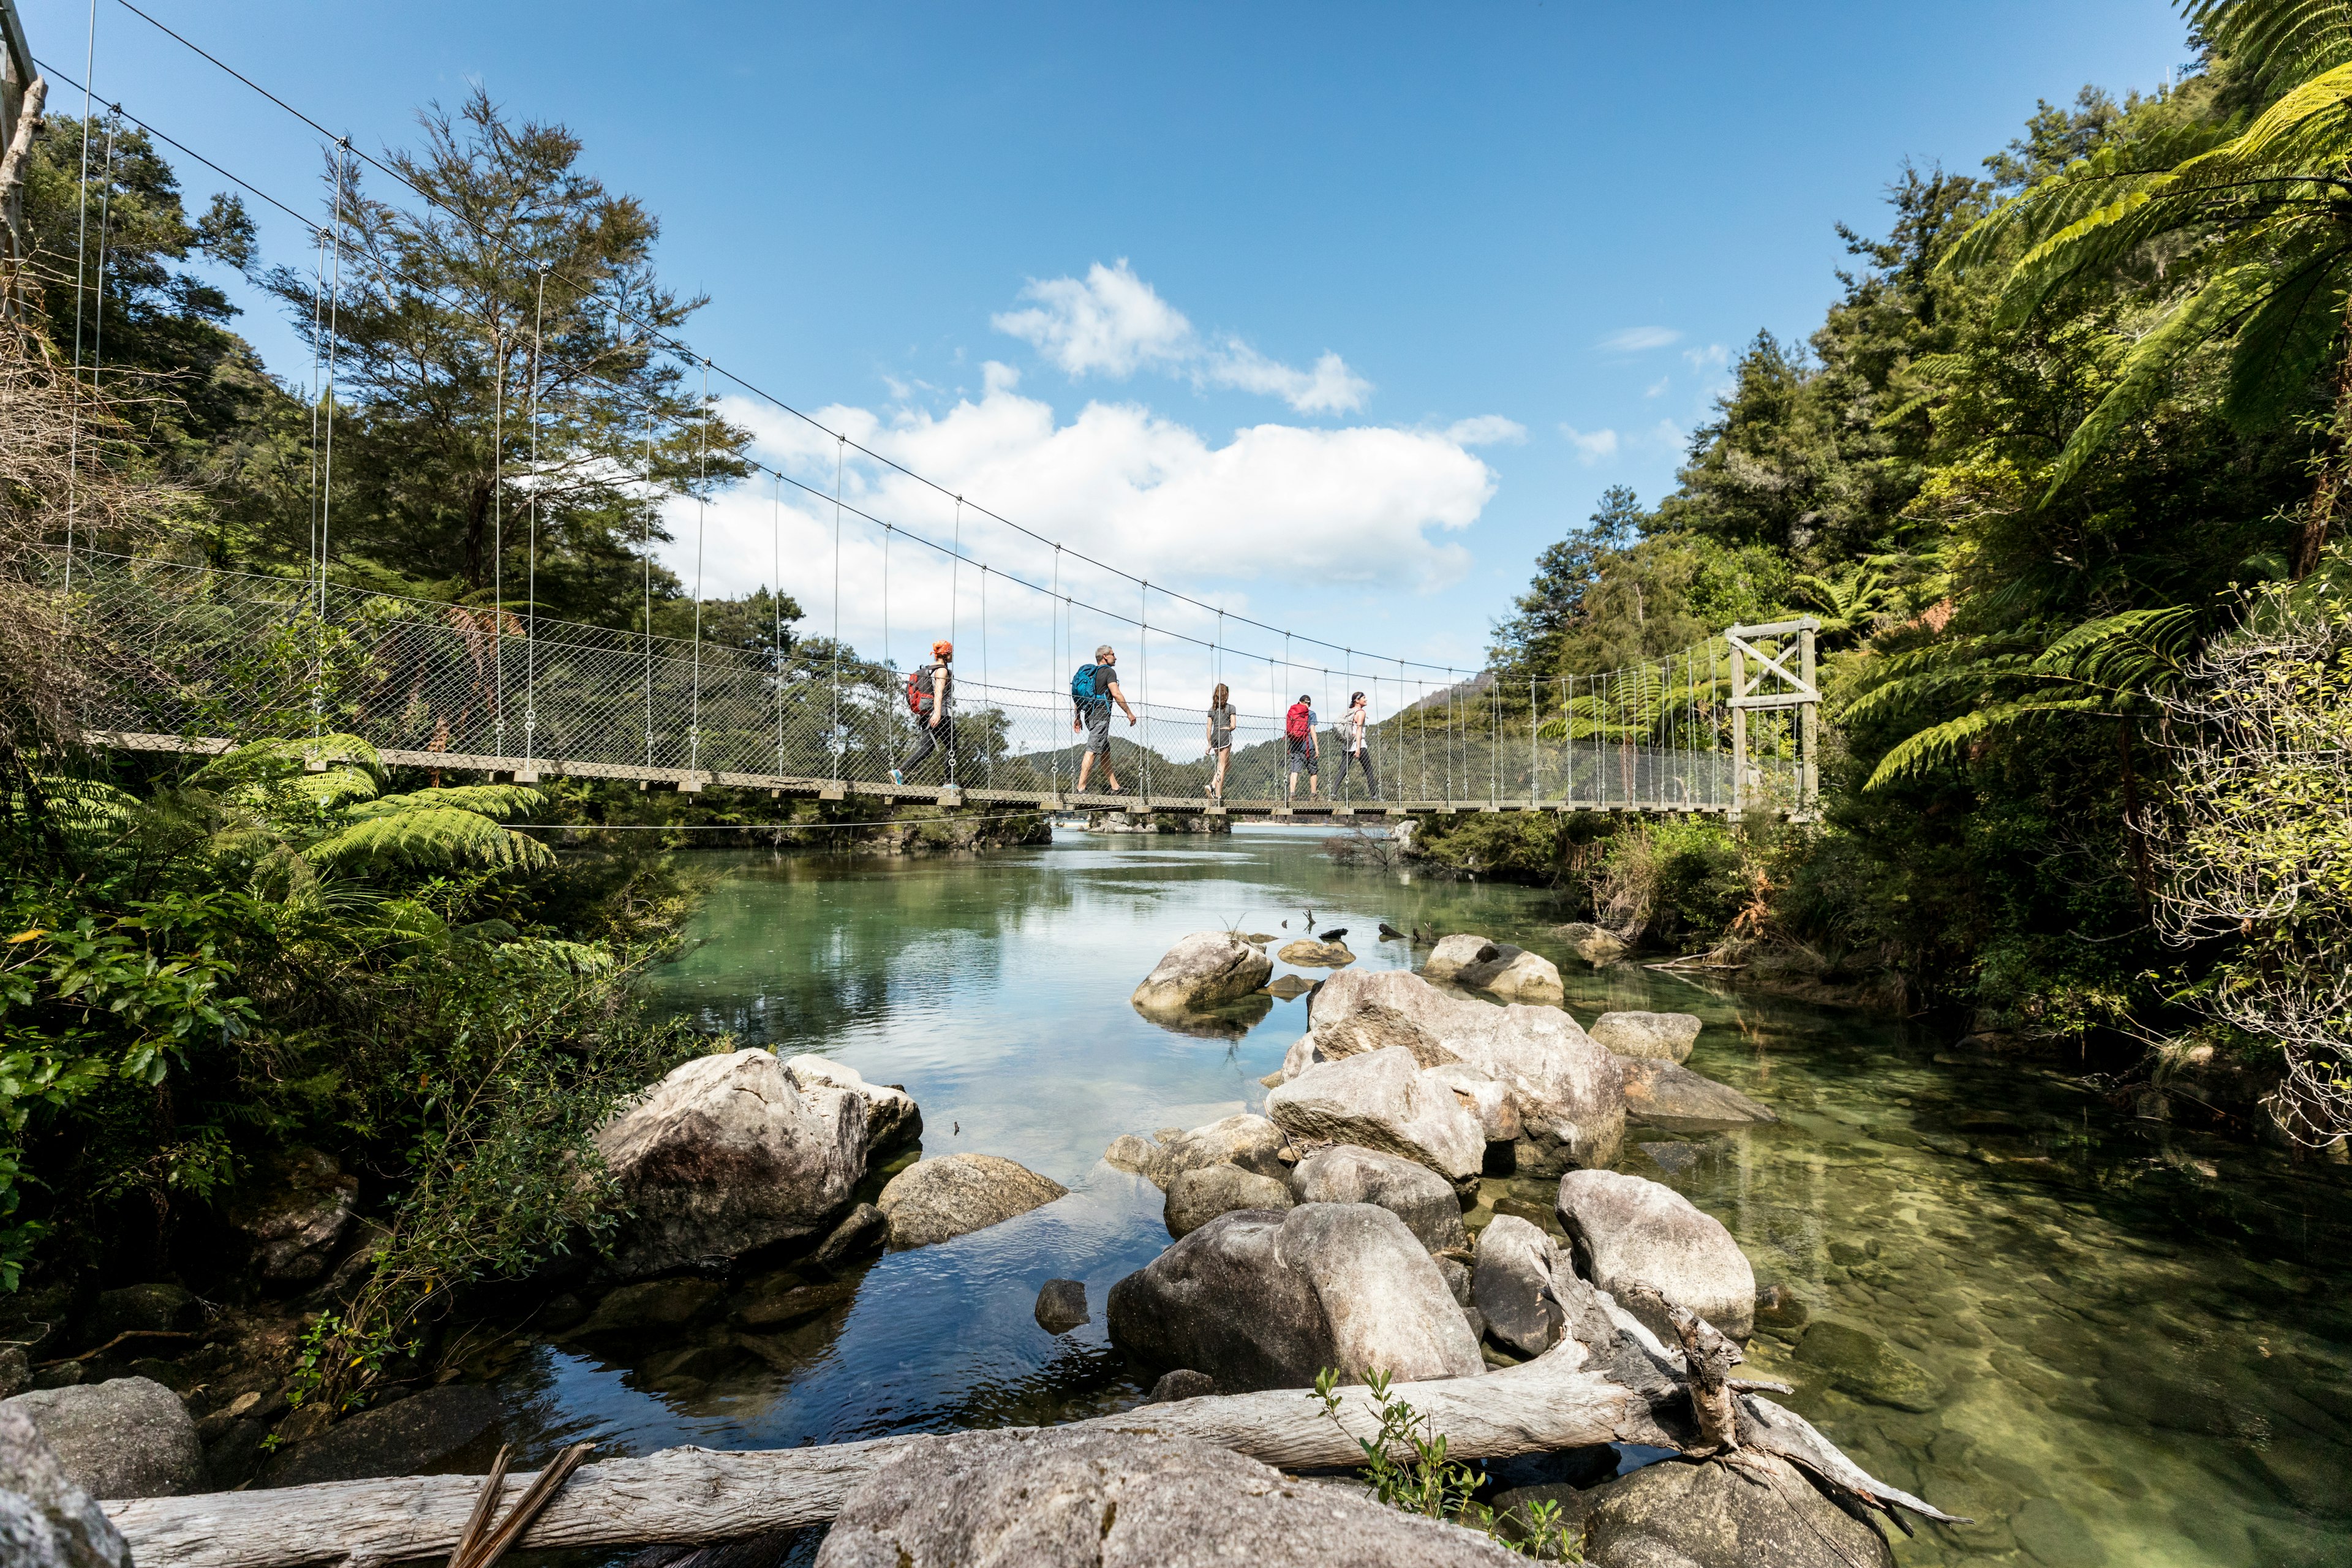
pixel 1609 1381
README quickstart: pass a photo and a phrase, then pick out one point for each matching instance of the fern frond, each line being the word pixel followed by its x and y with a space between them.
pixel 335 787
pixel 1942 743
pixel 501 803
pixel 261 761
pixel 429 838
pixel 2276 39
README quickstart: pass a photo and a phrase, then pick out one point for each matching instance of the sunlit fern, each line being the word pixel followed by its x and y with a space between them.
pixel 2109 666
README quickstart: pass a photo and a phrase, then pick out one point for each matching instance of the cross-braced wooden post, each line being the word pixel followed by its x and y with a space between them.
pixel 1776 686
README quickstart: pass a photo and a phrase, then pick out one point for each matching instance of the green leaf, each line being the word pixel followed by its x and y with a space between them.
pixel 1944 742
pixel 429 838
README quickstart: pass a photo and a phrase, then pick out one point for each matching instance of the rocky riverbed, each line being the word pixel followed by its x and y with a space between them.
pixel 1932 1367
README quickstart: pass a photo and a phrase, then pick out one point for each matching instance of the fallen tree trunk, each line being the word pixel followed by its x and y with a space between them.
pixel 1609 1380
pixel 695 1495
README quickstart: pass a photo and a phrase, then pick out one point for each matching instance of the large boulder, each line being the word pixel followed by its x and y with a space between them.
pixel 1260 1300
pixel 1625 1230
pixel 296 1219
pixel 47 1520
pixel 126 1438
pixel 1567 1091
pixel 1195 1197
pixel 1712 1515
pixel 1412 1192
pixel 1383 1100
pixel 1252 1142
pixel 1673 1099
pixel 893 1121
pixel 1511 1285
pixel 454 1427
pixel 730 1153
pixel 1516 975
pixel 1452 954
pixel 1091 1498
pixel 1490 1099
pixel 934 1200
pixel 1667 1037
pixel 1204 970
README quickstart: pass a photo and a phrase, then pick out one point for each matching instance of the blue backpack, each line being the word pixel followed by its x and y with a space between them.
pixel 1083 688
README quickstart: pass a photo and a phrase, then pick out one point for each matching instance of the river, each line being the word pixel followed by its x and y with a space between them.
pixel 2107 1339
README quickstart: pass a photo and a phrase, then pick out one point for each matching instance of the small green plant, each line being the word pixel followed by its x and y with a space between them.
pixel 1406 1462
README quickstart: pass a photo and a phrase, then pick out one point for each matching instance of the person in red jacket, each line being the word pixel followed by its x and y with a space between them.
pixel 1298 726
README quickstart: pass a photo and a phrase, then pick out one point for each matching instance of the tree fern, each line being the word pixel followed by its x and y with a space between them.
pixel 431 837
pixel 501 803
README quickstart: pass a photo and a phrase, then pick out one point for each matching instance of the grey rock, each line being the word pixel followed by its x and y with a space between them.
pixel 1627 1231
pixel 1490 1099
pixel 1416 1194
pixel 893 1120
pixel 1457 1278
pixel 1061 1306
pixel 939 1199
pixel 1452 954
pixel 1287 988
pixel 1252 1142
pixel 1311 954
pixel 297 1219
pixel 1197 1197
pixel 1382 1100
pixel 1674 1158
pixel 1670 1097
pixel 1511 1285
pixel 862 1231
pixel 1595 944
pixel 47 1518
pixel 434 1429
pixel 1680 1515
pixel 1567 1092
pixel 126 1438
pixel 1203 970
pixel 653 1304
pixel 1181 1383
pixel 1260 1300
pixel 141 1309
pixel 1104 1500
pixel 15 1370
pixel 1667 1037
pixel 727 1155
pixel 1778 1307
pixel 1516 975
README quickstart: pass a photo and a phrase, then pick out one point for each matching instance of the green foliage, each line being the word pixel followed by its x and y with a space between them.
pixel 1405 1461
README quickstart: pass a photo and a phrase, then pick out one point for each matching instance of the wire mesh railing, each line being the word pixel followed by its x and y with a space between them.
pixel 200 653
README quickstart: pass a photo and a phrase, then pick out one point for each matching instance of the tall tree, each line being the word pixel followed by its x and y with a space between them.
pixel 1529 643
pixel 499 336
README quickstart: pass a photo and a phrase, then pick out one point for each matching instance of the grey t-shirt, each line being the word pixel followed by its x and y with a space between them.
pixel 1221 721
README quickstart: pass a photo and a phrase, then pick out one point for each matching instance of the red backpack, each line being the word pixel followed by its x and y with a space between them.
pixel 919 687
pixel 1297 726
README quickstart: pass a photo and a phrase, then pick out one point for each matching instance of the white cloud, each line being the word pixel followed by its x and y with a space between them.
pixel 1114 322
pixel 1485 430
pixel 1590 446
pixel 1639 340
pixel 1713 356
pixel 1657 386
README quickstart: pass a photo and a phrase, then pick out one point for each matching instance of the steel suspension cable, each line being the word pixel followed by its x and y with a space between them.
pixel 776 603
pixel 840 742
pixel 530 590
pixel 702 520
pixel 81 260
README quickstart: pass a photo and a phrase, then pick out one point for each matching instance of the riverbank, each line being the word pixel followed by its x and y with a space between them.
pixel 2041 1259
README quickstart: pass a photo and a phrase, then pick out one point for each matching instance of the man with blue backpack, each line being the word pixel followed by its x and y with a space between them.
pixel 1092 691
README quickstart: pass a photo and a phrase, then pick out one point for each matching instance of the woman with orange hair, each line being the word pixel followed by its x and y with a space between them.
pixel 927 690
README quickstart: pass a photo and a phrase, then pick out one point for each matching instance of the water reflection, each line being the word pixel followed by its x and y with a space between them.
pixel 2110 1340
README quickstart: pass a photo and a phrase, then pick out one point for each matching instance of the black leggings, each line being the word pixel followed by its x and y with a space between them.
pixel 927 740
pixel 1364 760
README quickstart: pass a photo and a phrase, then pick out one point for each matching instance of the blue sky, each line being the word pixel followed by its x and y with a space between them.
pixel 1333 314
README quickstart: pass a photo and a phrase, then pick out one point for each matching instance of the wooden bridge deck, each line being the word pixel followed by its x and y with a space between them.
pixel 692 780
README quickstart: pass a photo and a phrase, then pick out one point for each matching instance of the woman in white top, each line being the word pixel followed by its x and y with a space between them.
pixel 1351 731
pixel 1221 739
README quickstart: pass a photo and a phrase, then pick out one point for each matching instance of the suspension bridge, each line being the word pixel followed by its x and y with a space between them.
pixel 190 658
pixel 195 659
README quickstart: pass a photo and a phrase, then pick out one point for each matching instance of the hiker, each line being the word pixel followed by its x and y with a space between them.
pixel 1092 691
pixel 1299 724
pixel 1221 738
pixel 929 687
pixel 1351 732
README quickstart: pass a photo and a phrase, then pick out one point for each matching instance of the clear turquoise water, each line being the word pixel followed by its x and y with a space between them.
pixel 2127 1344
